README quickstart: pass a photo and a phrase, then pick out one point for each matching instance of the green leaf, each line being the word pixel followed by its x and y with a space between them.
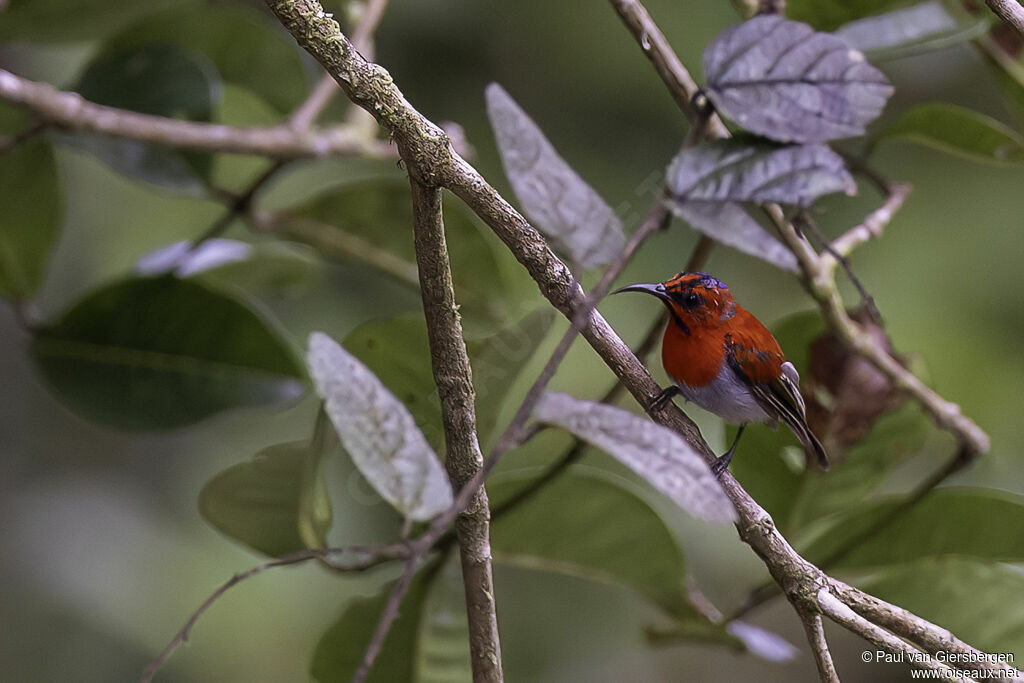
pixel 428 643
pixel 31 197
pixel 159 353
pixel 442 649
pixel 892 440
pixel 827 15
pixel 246 46
pixel 340 650
pixel 380 212
pixel 949 521
pixel 65 20
pixel 979 602
pixel 276 503
pixel 497 360
pixel 608 533
pixel 161 80
pixel 398 352
pixel 961 132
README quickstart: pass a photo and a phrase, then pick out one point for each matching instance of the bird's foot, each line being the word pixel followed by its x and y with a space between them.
pixel 665 397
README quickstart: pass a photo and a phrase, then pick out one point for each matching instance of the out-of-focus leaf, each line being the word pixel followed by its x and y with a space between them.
pixel 845 392
pixel 552 194
pixel 978 601
pixel 828 15
pixel 608 533
pixel 158 353
pixel 151 79
pixel 380 212
pixel 730 224
pixel 66 20
pixel 340 649
pixel 893 439
pixel 181 259
pixel 30 195
pixel 398 352
pixel 656 453
pixel 498 359
pixel 737 171
pixel 378 432
pixel 246 46
pixel 272 265
pixel 910 30
pixel 277 503
pixel 781 79
pixel 960 131
pixel 949 521
pixel 442 649
pixel 765 644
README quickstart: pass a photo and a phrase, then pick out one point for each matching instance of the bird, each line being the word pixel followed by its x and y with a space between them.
pixel 722 358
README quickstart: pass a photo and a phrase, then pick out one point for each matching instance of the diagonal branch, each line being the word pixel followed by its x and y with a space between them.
pixel 432 161
pixel 454 379
pixel 1009 11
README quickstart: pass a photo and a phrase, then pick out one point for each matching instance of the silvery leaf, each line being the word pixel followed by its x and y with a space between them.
pixel 555 198
pixel 377 430
pixel 783 80
pixel 656 453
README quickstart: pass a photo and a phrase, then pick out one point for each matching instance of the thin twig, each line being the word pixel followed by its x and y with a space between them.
pixel 1009 11
pixel 818 279
pixel 238 205
pixel 815 631
pixel 387 618
pixel 655 46
pixel 325 89
pixel 840 613
pixel 430 157
pixel 335 243
pixel 371 556
pixel 70 111
pixel 9 142
pixel 932 639
pixel 454 379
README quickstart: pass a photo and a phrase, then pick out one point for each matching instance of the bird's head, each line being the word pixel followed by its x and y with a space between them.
pixel 694 299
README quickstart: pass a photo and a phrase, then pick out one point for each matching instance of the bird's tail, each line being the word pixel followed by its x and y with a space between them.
pixel 811 443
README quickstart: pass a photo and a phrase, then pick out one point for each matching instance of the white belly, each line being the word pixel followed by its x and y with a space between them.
pixel 728 397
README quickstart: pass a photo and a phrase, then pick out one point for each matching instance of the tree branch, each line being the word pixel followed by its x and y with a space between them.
pixel 453 376
pixel 841 614
pixel 655 46
pixel 1009 11
pixel 370 557
pixel 335 243
pixel 431 160
pixel 817 273
pixel 815 631
pixel 325 89
pixel 387 617
pixel 70 111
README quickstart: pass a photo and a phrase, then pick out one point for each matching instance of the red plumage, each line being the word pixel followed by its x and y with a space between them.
pixel 723 359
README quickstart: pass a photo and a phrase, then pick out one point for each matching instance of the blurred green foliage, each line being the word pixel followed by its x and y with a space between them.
pixel 102 541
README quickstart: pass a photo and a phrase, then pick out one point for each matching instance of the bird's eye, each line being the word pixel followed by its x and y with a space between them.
pixel 692 300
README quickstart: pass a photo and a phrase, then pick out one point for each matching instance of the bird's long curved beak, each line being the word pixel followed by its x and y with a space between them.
pixel 657 290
